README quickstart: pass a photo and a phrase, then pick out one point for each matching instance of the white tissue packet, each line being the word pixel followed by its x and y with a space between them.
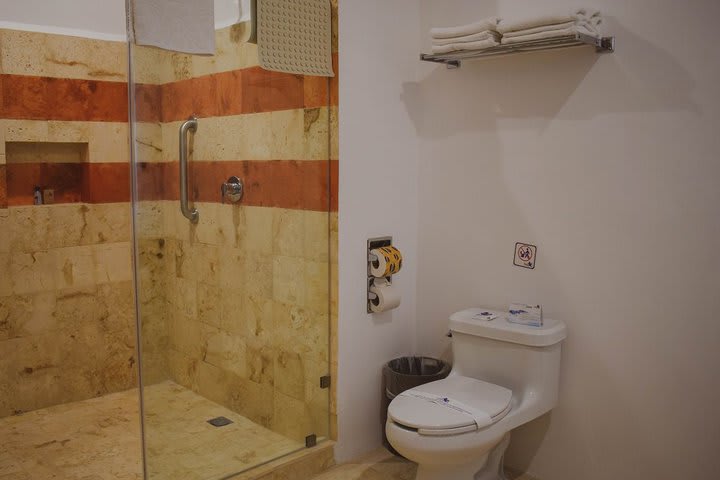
pixel 525 314
pixel 484 316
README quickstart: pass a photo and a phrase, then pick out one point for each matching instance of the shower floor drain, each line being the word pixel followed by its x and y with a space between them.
pixel 219 421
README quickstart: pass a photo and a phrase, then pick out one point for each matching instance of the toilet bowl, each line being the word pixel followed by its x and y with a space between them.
pixel 446 442
pixel 503 376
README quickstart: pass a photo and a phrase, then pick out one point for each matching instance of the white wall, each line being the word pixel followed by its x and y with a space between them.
pixel 100 19
pixel 378 196
pixel 611 165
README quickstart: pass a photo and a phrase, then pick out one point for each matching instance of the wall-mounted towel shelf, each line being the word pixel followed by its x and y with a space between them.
pixel 454 60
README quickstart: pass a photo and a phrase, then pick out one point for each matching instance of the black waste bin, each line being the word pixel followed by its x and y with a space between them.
pixel 405 373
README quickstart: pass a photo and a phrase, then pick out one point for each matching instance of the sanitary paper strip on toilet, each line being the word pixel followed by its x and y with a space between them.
pixel 482 419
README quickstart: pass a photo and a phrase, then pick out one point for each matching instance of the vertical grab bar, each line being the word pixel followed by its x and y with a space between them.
pixel 188 125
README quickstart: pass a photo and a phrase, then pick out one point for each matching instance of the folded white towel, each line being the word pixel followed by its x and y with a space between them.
pixel 578 15
pixel 476 37
pixel 464 46
pixel 547 34
pixel 541 28
pixel 550 28
pixel 463 30
pixel 176 25
pixel 589 13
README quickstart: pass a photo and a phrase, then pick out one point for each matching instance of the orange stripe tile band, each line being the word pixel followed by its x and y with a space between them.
pixel 291 184
pixel 306 185
pixel 248 90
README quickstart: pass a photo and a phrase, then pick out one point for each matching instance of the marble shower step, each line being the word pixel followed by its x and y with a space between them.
pixel 303 465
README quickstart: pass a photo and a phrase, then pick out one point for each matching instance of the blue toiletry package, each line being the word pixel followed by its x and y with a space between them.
pixel 523 314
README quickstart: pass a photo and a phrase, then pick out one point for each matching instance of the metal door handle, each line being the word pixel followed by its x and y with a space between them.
pixel 190 213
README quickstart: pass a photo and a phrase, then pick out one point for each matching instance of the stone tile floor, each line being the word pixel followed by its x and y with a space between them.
pixel 99 439
pixel 182 445
pixel 95 439
pixel 382 465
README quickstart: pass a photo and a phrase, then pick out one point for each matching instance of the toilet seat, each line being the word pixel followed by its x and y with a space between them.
pixel 415 409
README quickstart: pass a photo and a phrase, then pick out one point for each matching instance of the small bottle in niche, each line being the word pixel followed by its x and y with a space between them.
pixel 37 196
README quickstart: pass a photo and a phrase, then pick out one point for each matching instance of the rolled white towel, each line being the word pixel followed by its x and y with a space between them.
pixel 595 21
pixel 578 15
pixel 551 28
pixel 589 13
pixel 465 46
pixel 464 30
pixel 546 34
pixel 476 37
pixel 593 17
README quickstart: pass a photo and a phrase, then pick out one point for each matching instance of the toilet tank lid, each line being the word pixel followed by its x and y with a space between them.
pixel 470 322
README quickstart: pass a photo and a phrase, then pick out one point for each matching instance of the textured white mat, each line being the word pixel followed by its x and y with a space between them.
pixel 294 36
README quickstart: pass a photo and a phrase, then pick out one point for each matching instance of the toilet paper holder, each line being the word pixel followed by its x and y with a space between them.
pixel 372 244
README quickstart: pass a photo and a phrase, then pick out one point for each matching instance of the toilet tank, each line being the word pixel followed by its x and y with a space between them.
pixel 523 358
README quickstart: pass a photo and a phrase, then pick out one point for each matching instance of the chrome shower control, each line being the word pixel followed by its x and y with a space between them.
pixel 232 189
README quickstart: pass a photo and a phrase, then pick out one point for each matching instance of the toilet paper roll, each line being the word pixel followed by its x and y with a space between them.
pixel 388 296
pixel 389 261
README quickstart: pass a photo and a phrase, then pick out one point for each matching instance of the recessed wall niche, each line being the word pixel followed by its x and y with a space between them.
pixel 58 166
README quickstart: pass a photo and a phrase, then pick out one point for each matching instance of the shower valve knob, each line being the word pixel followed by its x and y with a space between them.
pixel 232 189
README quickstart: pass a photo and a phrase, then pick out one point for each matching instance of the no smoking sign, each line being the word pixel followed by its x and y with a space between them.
pixel 525 255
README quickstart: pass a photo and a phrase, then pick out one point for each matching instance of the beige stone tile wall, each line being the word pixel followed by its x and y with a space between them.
pixel 155 66
pixel 245 309
pixel 61 56
pixel 67 329
pixel 67 324
pixel 248 311
pixel 107 141
pixel 299 134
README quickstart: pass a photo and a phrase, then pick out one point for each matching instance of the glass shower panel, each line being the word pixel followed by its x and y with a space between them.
pixel 233 308
pixel 68 363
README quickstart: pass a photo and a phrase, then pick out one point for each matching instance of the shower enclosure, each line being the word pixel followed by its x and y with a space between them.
pixel 232 209
pixel 182 256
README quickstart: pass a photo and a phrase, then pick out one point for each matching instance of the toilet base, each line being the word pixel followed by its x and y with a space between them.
pixel 450 472
pixel 488 467
pixel 493 469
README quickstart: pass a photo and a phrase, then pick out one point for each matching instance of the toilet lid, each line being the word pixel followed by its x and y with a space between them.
pixel 456 402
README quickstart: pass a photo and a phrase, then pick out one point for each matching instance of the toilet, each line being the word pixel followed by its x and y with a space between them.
pixel 503 376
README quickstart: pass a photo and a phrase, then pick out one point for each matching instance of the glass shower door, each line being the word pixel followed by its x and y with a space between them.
pixel 233 308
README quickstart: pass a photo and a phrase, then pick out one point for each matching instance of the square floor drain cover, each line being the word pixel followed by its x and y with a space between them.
pixel 219 421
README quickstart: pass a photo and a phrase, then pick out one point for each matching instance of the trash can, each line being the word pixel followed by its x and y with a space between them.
pixel 405 373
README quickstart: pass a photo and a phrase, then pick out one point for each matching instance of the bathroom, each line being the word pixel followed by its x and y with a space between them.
pixel 606 162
